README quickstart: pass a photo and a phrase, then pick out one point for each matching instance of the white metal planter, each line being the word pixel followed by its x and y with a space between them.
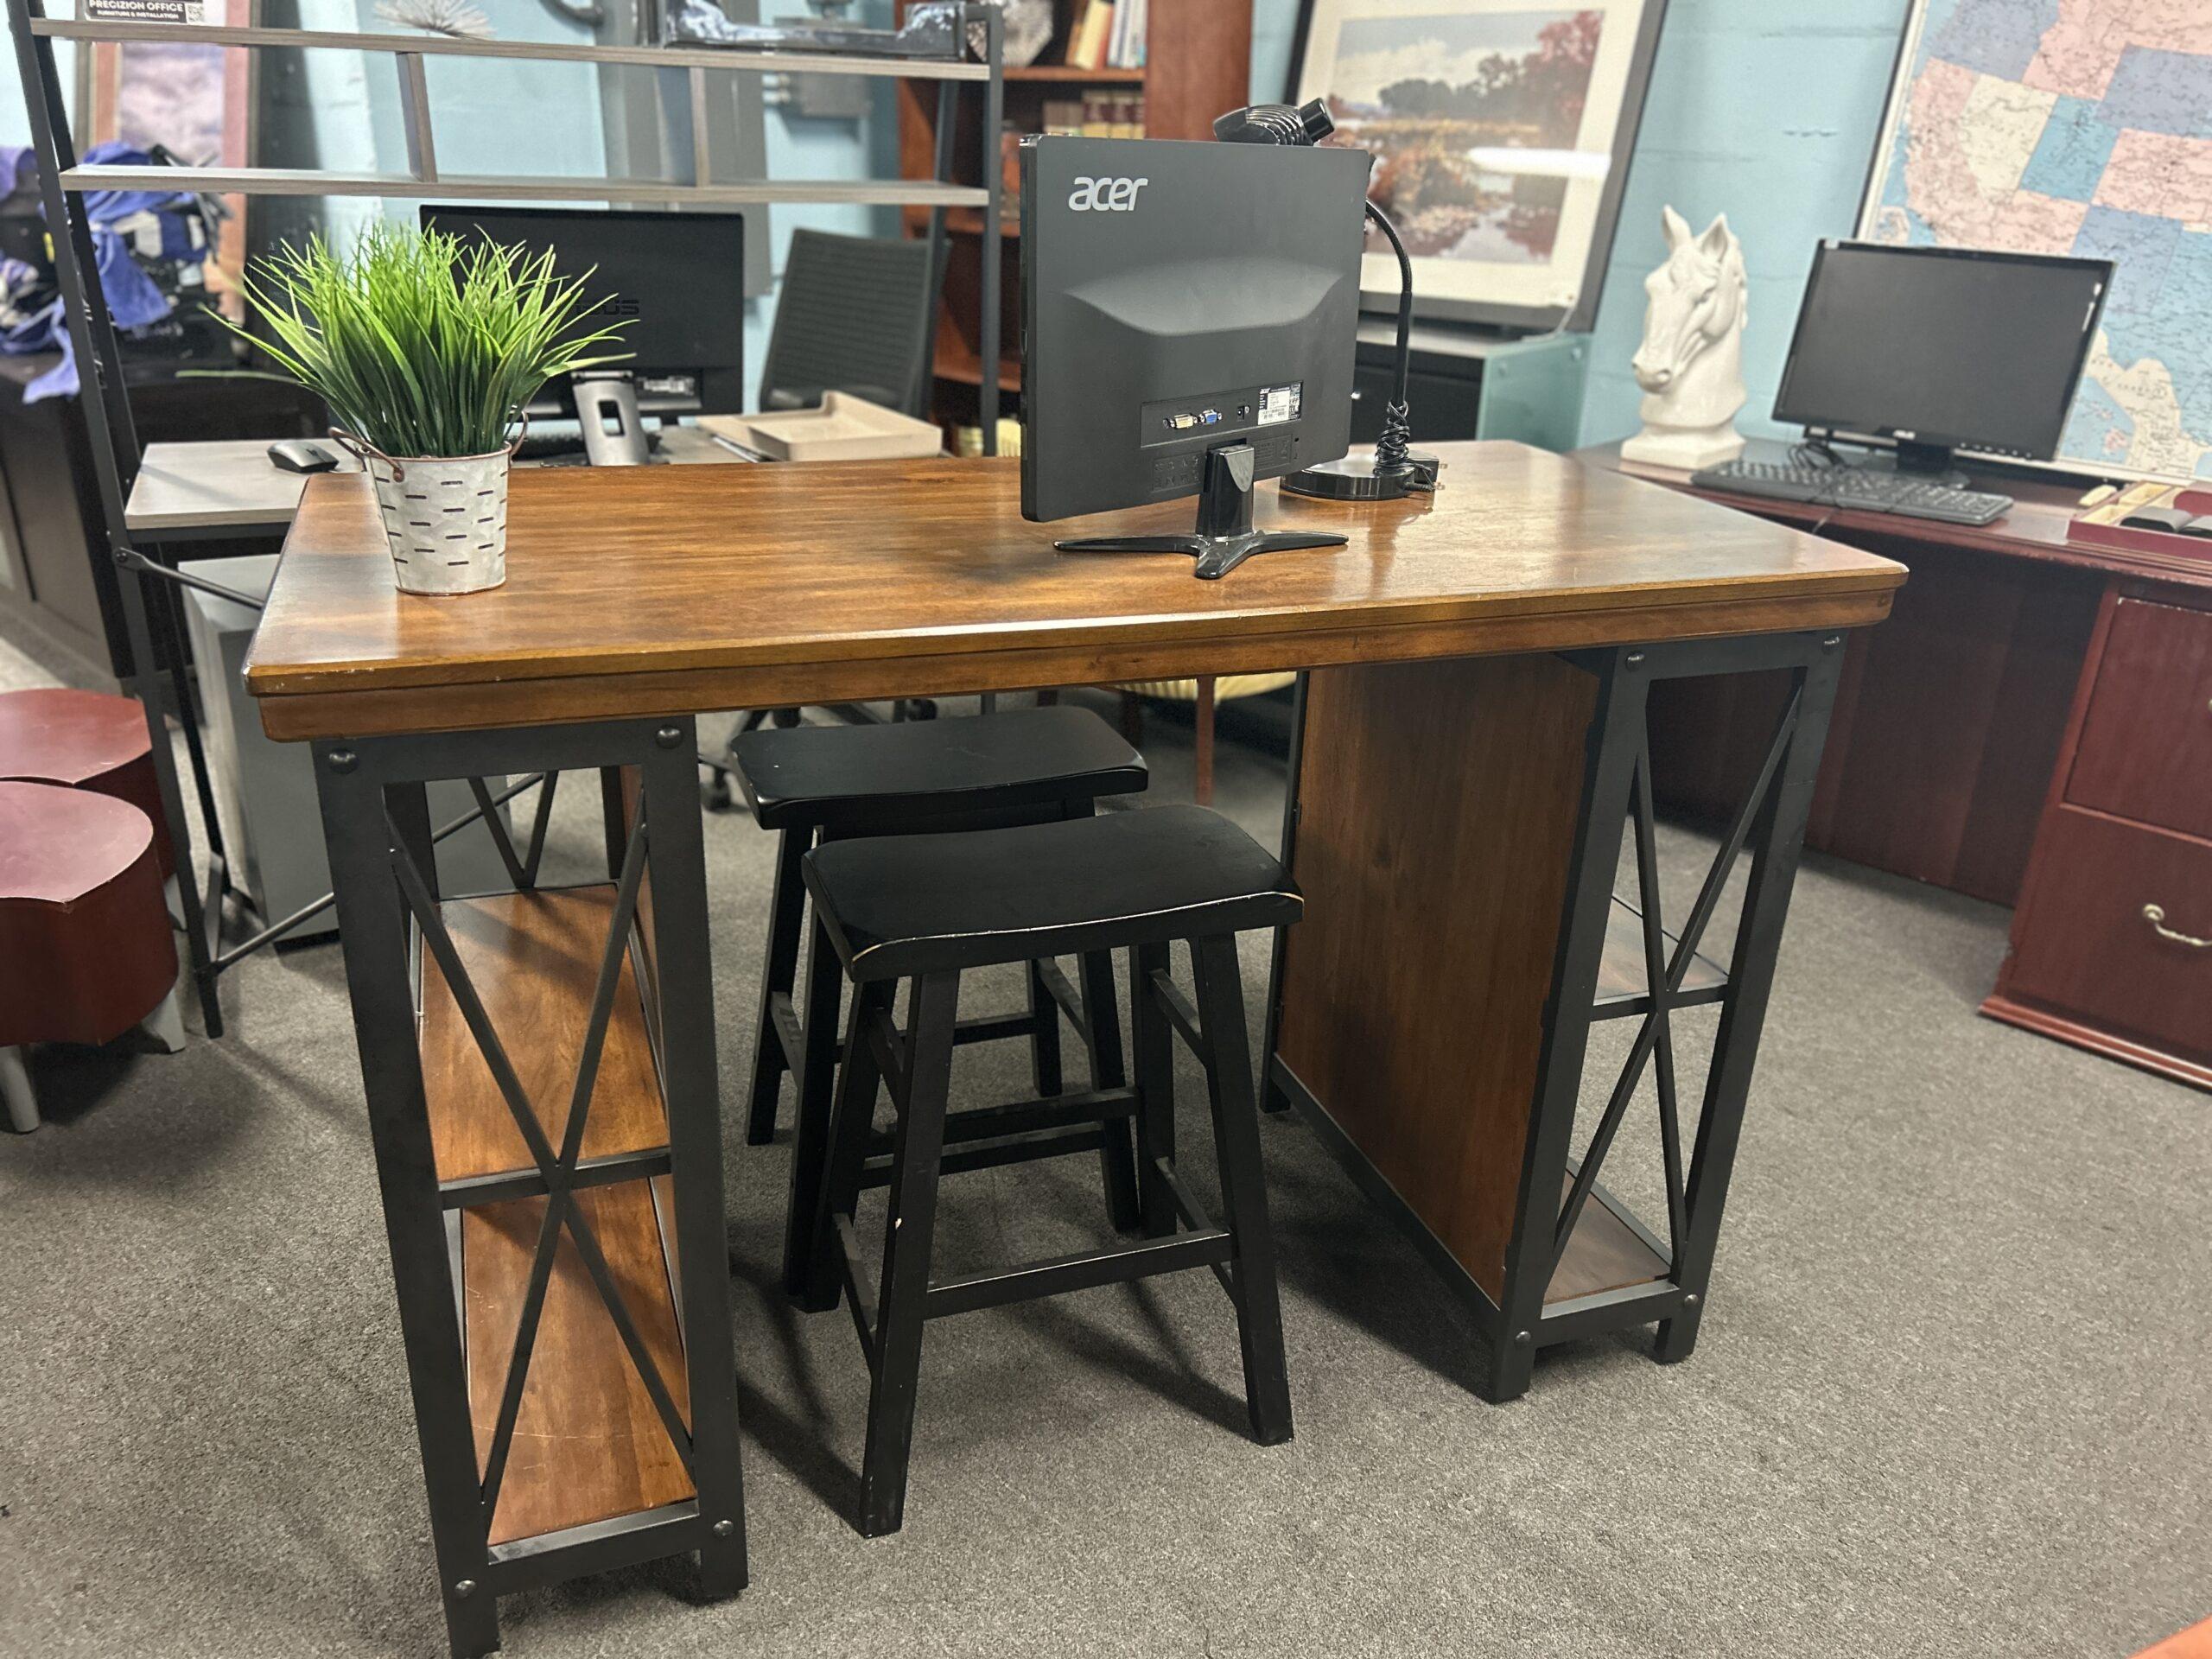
pixel 445 520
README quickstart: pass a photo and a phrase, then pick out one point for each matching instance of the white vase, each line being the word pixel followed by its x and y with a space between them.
pixel 445 519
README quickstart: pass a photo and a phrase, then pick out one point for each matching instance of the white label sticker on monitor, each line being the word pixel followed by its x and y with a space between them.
pixel 1280 403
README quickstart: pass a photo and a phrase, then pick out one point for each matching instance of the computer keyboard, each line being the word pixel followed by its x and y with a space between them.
pixel 1860 488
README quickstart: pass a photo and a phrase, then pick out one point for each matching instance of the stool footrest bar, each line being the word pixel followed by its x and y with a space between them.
pixel 1068 1273
pixel 789 1037
pixel 1180 1012
pixel 997 1150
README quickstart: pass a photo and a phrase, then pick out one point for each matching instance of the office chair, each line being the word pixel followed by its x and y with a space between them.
pixel 855 315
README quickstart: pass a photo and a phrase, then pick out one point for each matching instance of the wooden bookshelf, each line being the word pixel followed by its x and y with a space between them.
pixel 1197 66
pixel 588 1445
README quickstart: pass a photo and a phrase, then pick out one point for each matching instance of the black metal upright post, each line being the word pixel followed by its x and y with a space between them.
pixel 1614 741
pixel 106 408
pixel 987 391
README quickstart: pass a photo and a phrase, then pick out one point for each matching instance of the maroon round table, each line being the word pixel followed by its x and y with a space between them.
pixel 85 950
pixel 84 740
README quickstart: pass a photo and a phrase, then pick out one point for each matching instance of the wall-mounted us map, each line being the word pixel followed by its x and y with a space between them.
pixel 2074 126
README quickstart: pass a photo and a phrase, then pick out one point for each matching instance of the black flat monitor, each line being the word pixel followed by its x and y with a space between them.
pixel 678 278
pixel 1188 323
pixel 1939 349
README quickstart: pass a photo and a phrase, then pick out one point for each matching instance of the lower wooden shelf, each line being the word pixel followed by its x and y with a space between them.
pixel 1607 1251
pixel 533 958
pixel 588 1445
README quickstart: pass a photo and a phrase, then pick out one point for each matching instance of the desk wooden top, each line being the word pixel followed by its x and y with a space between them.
pixel 637 592
pixel 2036 530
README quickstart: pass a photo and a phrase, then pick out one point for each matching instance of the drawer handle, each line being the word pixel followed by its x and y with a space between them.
pixel 2156 915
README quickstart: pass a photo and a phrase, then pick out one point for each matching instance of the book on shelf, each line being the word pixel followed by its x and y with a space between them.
pixel 1125 47
pixel 1093 31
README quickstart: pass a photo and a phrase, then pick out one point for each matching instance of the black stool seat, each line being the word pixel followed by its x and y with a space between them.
pixel 919 904
pixel 824 776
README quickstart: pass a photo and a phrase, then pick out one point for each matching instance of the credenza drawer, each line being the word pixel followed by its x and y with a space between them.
pixel 2117 929
pixel 2146 751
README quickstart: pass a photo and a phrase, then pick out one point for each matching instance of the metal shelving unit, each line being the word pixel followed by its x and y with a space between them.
pixel 114 447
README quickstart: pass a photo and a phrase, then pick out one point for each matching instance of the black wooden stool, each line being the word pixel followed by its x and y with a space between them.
pixel 825 783
pixel 925 908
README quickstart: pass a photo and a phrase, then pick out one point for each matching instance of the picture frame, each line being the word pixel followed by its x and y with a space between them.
pixel 1515 242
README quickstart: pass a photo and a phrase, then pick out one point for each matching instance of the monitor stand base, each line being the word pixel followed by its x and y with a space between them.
pixel 1224 537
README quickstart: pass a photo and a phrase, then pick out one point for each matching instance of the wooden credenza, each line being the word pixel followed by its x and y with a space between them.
pixel 2034 728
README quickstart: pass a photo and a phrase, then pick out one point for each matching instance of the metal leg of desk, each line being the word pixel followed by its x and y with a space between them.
pixel 1443 1063
pixel 378 830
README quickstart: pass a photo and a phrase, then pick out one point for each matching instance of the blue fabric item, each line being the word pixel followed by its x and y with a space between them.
pixel 134 300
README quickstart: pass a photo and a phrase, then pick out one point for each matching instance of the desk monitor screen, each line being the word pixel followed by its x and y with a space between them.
pixel 1943 348
pixel 1183 303
pixel 678 277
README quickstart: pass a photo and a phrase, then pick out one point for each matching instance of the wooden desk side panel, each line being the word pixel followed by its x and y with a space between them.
pixel 1428 787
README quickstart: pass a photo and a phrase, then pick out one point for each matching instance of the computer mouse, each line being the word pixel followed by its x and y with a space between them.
pixel 300 455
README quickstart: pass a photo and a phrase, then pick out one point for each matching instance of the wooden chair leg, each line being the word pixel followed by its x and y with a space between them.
pixel 1204 792
pixel 779 971
pixel 1153 1046
pixel 1044 1034
pixel 1243 1186
pixel 825 986
pixel 1117 1164
pixel 917 1148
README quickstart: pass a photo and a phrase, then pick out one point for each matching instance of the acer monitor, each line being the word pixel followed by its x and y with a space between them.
pixel 1188 321
pixel 678 278
pixel 1940 348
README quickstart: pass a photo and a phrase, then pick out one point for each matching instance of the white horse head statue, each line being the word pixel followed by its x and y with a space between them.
pixel 1691 362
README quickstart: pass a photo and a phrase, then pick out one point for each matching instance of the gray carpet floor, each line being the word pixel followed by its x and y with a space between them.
pixel 1951 1396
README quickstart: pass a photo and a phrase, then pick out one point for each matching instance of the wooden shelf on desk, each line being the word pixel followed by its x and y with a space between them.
pixel 588 1445
pixel 1607 1251
pixel 959 362
pixel 1071 74
pixel 1622 985
pixel 533 959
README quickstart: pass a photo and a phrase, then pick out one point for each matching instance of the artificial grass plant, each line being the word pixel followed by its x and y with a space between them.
pixel 422 342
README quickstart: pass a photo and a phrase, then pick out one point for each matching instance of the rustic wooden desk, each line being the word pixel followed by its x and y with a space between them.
pixel 1470 749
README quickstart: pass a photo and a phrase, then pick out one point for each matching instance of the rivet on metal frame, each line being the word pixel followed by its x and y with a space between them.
pixel 344 760
pixel 465 1588
pixel 724 1529
pixel 668 737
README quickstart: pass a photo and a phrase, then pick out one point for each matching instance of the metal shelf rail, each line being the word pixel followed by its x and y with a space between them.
pixel 114 447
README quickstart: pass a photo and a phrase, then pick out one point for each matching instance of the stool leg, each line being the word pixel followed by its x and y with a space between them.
pixel 915 1148
pixel 1243 1186
pixel 1044 1034
pixel 1116 1163
pixel 1153 1044
pixel 825 984
pixel 779 971
pixel 850 1118
pixel 15 1091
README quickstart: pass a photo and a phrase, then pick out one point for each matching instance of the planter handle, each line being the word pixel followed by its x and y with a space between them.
pixel 361 449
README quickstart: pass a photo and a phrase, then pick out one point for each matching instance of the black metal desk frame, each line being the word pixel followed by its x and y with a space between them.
pixel 1615 794
pixel 375 818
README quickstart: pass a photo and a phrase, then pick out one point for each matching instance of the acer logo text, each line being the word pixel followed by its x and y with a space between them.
pixel 1106 196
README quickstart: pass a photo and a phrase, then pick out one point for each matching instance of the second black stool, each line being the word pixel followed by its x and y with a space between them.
pixel 825 783
pixel 925 908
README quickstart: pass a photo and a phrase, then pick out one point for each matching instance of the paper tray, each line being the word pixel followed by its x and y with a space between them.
pixel 844 428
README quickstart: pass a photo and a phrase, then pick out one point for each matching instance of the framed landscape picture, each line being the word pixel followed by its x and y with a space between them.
pixel 1501 131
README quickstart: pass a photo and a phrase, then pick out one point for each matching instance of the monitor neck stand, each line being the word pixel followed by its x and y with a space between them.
pixel 607 409
pixel 1929 463
pixel 1224 537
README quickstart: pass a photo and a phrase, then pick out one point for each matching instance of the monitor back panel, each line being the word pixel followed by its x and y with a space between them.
pixel 1177 297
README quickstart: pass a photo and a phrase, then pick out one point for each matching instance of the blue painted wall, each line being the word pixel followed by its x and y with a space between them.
pixel 1764 109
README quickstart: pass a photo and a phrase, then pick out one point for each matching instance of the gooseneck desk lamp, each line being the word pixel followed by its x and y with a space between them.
pixel 1394 468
